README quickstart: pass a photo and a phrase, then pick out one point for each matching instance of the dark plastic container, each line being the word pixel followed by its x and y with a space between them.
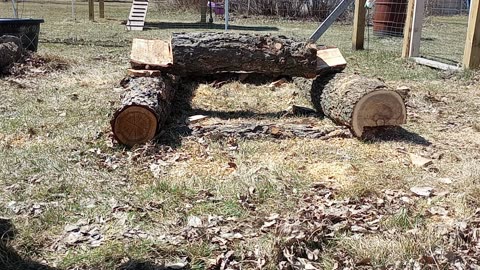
pixel 26 29
pixel 389 17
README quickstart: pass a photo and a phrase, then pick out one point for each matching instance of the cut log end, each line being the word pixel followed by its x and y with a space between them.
pixel 359 102
pixel 145 107
pixel 378 108
pixel 135 125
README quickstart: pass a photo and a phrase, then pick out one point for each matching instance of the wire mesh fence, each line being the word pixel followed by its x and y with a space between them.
pixel 316 10
pixel 295 18
pixel 68 21
pixel 443 34
pixel 71 10
pixel 444 30
pixel 385 25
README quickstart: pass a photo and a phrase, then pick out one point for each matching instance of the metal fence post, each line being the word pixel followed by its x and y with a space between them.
pixel 226 15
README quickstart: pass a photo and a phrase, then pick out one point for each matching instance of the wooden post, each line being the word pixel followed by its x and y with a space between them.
pixel 358 37
pixel 417 25
pixel 407 31
pixel 101 8
pixel 91 10
pixel 471 57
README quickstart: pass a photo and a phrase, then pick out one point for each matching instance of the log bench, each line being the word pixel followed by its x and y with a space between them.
pixel 353 101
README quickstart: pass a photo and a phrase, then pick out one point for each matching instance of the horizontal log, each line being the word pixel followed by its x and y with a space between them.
pixel 228 52
pixel 359 102
pixel 202 54
pixel 145 106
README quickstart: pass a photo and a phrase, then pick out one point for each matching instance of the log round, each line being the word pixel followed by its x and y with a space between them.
pixel 145 107
pixel 210 53
pixel 359 102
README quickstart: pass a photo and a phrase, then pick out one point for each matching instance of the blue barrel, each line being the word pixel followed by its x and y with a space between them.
pixel 26 29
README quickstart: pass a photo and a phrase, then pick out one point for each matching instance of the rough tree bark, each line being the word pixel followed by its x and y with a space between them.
pixel 359 102
pixel 11 51
pixel 145 106
pixel 209 53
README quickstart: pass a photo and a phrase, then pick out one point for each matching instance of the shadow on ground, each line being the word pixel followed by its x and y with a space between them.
pixel 145 265
pixel 197 25
pixel 177 128
pixel 9 258
pixel 394 134
pixel 247 114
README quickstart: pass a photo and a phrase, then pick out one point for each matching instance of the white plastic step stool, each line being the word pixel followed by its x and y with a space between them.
pixel 138 12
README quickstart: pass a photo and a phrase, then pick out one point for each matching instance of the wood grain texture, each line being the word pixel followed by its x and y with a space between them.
pixel 231 53
pixel 417 25
pixel 143 72
pixel 358 102
pixel 155 53
pixel 210 53
pixel 330 59
pixel 144 108
pixel 101 8
pixel 91 10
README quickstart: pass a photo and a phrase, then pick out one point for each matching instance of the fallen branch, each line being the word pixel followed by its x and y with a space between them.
pixel 282 131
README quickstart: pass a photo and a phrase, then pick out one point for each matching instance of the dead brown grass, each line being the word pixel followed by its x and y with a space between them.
pixel 59 167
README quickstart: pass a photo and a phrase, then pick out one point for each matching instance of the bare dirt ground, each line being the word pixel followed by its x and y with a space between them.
pixel 250 187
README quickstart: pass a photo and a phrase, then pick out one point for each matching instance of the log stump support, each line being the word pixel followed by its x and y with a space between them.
pixel 358 102
pixel 145 107
pixel 348 99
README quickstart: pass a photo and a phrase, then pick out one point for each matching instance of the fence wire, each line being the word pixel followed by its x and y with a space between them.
pixel 385 24
pixel 443 33
pixel 316 10
pixel 444 30
pixel 293 18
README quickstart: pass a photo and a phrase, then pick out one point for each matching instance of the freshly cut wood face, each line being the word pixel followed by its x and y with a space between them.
pixel 135 125
pixel 145 106
pixel 330 58
pixel 151 52
pixel 378 108
pixel 143 72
